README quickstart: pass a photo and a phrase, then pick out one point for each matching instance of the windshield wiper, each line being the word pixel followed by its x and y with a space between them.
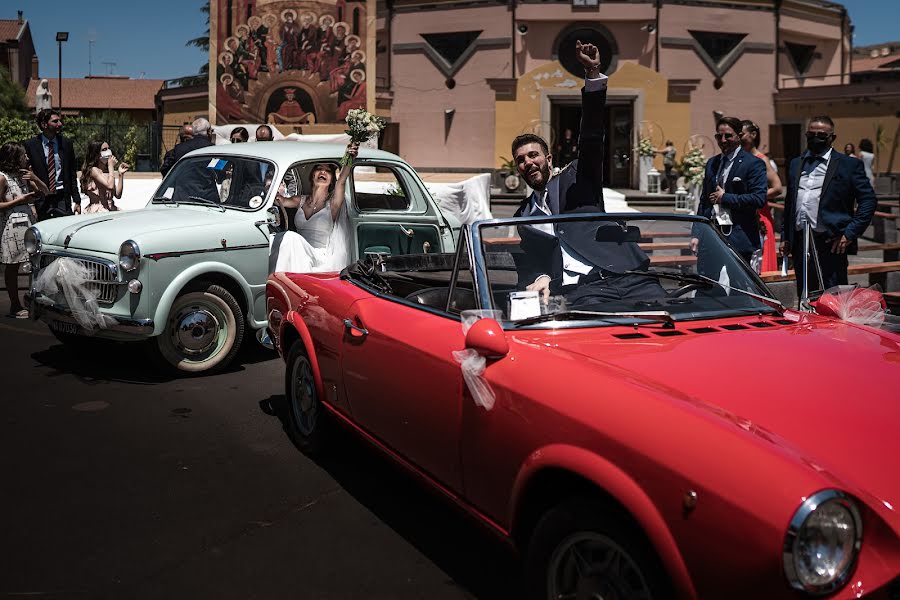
pixel 710 282
pixel 650 315
pixel 207 200
pixel 164 200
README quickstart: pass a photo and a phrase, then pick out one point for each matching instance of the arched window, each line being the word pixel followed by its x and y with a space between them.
pixel 356 15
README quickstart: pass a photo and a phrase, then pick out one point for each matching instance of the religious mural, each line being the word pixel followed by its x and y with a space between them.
pixel 288 62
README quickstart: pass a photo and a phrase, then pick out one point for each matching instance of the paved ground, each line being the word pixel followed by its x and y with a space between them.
pixel 119 482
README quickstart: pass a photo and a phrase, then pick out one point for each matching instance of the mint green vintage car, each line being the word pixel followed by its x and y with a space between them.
pixel 186 275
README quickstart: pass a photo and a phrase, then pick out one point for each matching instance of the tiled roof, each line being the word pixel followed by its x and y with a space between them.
pixel 101 93
pixel 872 64
pixel 9 29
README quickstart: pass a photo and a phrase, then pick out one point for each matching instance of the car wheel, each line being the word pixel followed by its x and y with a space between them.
pixel 580 549
pixel 203 332
pixel 307 420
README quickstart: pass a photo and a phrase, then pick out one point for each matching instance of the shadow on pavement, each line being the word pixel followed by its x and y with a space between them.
pixel 477 561
pixel 99 361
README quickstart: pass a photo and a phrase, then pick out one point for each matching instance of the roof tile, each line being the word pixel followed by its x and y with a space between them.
pixel 101 93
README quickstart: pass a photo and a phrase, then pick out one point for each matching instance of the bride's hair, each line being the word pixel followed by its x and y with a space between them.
pixel 331 167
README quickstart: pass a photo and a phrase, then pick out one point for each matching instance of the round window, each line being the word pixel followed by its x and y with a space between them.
pixel 592 35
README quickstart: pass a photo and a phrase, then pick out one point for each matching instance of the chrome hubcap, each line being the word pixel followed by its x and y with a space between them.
pixel 304 400
pixel 591 566
pixel 196 331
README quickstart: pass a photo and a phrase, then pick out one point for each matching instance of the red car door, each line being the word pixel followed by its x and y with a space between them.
pixel 403 385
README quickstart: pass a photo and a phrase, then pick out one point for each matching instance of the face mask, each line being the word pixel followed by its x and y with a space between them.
pixel 817 146
pixel 105 154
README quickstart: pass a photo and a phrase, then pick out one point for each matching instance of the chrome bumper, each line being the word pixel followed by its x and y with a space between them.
pixel 46 310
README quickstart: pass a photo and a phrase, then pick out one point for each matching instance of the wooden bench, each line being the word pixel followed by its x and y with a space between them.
pixel 877 272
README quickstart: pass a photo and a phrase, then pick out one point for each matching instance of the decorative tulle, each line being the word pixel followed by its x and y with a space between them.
pixel 473 364
pixel 70 279
pixel 859 305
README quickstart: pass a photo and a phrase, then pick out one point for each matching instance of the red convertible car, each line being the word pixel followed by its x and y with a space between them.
pixel 647 421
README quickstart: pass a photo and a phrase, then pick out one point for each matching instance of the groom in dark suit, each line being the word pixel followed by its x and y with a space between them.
pixel 823 187
pixel 734 185
pixel 52 159
pixel 580 184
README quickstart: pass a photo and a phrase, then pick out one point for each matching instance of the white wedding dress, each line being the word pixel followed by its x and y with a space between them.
pixel 320 244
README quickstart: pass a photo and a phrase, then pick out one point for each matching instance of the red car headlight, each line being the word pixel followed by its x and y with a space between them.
pixel 822 542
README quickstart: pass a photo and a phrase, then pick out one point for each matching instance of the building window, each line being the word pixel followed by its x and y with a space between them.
pixel 565 48
pixel 450 46
pixel 717 45
pixel 801 56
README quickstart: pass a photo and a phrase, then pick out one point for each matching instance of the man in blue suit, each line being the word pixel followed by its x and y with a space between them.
pixel 823 187
pixel 734 187
pixel 580 184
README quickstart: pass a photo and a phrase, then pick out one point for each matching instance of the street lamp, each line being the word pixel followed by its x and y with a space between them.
pixel 61 36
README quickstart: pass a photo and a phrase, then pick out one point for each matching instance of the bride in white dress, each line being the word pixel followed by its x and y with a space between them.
pixel 321 242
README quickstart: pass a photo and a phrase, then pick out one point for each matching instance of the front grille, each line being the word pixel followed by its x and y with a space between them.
pixel 100 272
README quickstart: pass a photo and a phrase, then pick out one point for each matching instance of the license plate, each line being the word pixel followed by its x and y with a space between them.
pixel 64 327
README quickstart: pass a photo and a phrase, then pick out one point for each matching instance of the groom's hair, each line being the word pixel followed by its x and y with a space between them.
pixel 529 138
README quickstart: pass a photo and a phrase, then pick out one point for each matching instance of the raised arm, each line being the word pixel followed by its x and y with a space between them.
pixel 120 182
pixel 592 136
pixel 337 200
pixel 105 181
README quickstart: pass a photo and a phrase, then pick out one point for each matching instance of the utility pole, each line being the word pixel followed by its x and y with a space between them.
pixel 91 41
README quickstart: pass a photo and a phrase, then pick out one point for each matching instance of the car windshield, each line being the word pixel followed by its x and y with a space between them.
pixel 610 269
pixel 222 181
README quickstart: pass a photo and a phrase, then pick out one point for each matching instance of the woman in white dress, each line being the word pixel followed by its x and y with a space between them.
pixel 321 242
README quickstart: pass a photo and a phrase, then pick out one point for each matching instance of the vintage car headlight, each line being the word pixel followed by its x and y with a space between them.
pixel 129 255
pixel 32 240
pixel 822 542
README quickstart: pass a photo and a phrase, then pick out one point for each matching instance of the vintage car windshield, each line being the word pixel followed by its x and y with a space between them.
pixel 615 268
pixel 224 181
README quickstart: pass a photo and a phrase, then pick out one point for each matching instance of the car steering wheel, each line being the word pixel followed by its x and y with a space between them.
pixel 681 291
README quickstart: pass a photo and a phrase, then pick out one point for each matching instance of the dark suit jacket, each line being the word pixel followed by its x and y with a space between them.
pixel 69 174
pixel 845 184
pixel 581 184
pixel 745 193
pixel 181 149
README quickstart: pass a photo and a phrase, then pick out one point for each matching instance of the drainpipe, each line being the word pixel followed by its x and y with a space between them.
pixel 658 5
pixel 843 43
pixel 512 36
pixel 777 5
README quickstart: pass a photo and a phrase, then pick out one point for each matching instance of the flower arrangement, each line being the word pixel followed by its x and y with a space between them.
pixel 361 127
pixel 693 165
pixel 645 147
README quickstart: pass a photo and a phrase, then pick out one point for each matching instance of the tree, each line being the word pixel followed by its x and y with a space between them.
pixel 12 97
pixel 202 43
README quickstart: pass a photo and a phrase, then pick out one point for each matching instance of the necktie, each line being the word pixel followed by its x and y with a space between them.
pixel 51 168
pixel 720 180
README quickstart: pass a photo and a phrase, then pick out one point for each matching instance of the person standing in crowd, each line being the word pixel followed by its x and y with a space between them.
pixel 16 215
pixel 186 133
pixel 668 154
pixel 239 135
pixel 53 159
pixel 566 149
pixel 750 139
pixel 867 156
pixel 734 189
pixel 823 187
pixel 201 139
pixel 850 150
pixel 98 177
pixel 264 134
pixel 581 184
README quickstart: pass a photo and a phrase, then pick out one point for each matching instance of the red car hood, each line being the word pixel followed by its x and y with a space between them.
pixel 826 390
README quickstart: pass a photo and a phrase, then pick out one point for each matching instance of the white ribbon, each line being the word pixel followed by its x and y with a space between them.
pixel 473 364
pixel 859 305
pixel 70 277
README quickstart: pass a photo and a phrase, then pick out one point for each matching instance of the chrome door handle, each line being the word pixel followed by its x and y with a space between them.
pixel 353 330
pixel 408 232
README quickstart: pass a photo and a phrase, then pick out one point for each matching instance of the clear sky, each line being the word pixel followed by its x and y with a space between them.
pixel 147 38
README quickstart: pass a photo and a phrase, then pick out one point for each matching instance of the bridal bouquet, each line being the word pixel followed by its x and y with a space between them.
pixel 361 127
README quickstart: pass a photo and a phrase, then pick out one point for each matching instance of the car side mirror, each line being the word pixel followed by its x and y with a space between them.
pixel 487 338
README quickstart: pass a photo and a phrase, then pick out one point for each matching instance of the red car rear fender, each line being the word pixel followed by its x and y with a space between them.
pixel 293 321
pixel 609 478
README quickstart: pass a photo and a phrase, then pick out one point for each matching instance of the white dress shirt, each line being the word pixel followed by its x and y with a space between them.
pixel 727 162
pixel 809 191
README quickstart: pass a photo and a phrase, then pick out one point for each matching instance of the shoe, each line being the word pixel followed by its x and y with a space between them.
pixel 22 314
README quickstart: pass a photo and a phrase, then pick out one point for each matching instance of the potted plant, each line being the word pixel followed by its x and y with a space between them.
pixel 509 175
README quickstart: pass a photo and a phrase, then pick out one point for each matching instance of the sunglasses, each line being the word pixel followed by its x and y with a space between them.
pixel 724 136
pixel 817 135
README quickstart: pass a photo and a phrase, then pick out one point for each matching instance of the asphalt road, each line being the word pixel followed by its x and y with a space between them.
pixel 122 482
